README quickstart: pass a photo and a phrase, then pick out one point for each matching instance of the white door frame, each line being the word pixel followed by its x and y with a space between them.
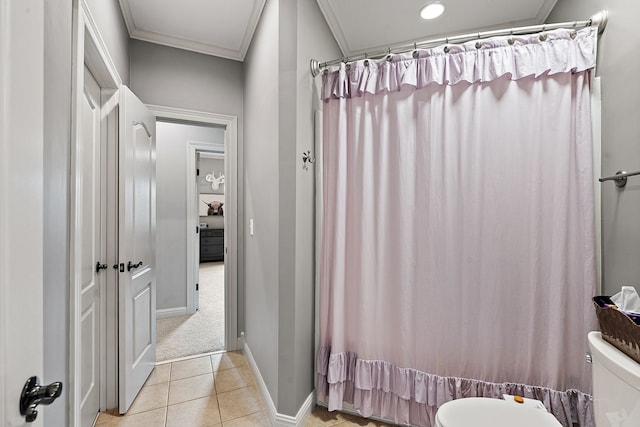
pixel 89 48
pixel 231 211
pixel 192 223
pixel 21 202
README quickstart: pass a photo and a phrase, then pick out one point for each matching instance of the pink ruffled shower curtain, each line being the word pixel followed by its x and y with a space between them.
pixel 458 252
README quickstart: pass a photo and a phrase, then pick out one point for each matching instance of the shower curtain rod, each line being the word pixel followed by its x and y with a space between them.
pixel 599 19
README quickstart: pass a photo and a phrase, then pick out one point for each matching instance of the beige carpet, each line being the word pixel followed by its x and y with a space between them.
pixel 202 332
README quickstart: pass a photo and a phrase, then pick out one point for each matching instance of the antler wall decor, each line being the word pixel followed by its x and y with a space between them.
pixel 215 181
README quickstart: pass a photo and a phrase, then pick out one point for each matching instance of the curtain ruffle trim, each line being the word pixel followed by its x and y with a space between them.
pixel 412 397
pixel 562 51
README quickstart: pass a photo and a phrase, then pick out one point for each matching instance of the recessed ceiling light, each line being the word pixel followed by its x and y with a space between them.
pixel 432 10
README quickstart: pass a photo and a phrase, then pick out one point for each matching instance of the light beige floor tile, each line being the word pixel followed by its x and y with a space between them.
pixel 355 420
pixel 194 413
pixel 191 388
pixel 362 422
pixel 233 379
pixel 320 416
pixel 104 419
pixel 150 397
pixel 228 360
pixel 239 403
pixel 190 368
pixel 160 374
pixel 155 418
pixel 259 419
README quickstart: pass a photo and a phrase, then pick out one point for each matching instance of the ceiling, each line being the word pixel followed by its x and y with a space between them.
pixel 225 27
pixel 215 27
pixel 368 25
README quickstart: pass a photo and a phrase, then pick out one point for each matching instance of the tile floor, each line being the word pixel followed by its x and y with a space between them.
pixel 217 390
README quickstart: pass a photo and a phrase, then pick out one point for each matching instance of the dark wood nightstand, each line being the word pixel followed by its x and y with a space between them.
pixel 211 244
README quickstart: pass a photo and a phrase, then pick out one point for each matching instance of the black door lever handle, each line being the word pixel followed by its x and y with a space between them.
pixel 131 266
pixel 34 394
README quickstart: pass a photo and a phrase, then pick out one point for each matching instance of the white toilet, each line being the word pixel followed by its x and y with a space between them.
pixel 486 412
pixel 616 385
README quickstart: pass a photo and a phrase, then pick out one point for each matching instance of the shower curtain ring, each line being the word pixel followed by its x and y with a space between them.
pixel 543 36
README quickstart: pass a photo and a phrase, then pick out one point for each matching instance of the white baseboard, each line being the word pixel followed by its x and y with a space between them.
pixel 277 420
pixel 171 312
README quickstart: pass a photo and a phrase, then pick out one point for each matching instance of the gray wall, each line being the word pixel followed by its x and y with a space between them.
pixel 315 41
pixel 261 86
pixel 57 140
pixel 280 99
pixel 207 166
pixel 620 133
pixel 163 75
pixel 170 77
pixel 113 30
pixel 171 207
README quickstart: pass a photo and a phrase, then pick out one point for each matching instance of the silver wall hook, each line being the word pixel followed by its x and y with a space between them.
pixel 307 160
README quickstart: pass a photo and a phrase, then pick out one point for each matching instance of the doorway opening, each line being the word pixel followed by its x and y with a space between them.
pixel 196 252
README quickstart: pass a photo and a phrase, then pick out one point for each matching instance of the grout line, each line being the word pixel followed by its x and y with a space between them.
pixel 214 393
pixel 215 388
pixel 166 415
pixel 166 412
pixel 194 356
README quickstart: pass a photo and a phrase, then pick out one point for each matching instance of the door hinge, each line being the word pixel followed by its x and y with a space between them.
pixel 197 287
pixel 197 230
pixel 198 172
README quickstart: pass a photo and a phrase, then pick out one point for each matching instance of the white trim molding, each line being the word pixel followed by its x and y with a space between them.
pixel 98 50
pixel 231 207
pixel 277 420
pixel 89 49
pixel 164 313
pixel 192 206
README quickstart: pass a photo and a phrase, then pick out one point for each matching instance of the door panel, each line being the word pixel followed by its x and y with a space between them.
pixel 141 315
pixel 88 249
pixel 136 234
pixel 21 198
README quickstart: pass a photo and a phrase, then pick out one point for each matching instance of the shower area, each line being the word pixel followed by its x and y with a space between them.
pixel 458 254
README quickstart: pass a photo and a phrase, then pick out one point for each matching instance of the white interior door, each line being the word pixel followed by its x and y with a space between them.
pixel 136 252
pixel 196 265
pixel 21 202
pixel 88 253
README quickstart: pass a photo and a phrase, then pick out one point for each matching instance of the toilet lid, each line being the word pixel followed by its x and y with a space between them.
pixel 486 412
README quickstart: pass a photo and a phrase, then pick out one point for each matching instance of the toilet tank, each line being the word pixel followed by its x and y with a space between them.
pixel 616 385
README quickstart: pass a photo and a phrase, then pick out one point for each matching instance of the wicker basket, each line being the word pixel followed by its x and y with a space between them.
pixel 619 330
